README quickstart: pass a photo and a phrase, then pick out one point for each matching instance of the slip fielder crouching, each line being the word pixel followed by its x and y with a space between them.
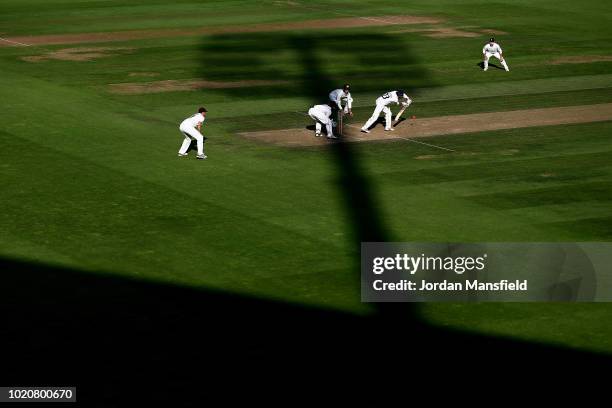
pixel 190 128
pixel 321 115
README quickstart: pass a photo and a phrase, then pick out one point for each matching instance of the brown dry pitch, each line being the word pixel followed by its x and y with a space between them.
pixel 137 88
pixel 345 22
pixel 440 31
pixel 494 32
pixel 144 74
pixel 444 125
pixel 79 54
pixel 449 32
pixel 581 59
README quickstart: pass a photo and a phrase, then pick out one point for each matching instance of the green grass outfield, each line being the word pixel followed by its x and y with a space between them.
pixel 91 180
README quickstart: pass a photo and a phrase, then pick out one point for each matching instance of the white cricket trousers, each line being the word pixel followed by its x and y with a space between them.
pixel 496 55
pixel 321 120
pixel 191 133
pixel 380 107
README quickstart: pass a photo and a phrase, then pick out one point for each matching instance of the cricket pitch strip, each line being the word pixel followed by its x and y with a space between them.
pixel 443 125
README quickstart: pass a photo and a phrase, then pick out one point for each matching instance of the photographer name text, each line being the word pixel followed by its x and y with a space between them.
pixel 467 285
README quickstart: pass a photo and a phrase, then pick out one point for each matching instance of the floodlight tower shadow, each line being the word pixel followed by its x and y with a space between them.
pixel 358 197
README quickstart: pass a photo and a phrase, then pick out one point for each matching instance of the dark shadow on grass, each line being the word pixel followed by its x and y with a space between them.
pixel 115 337
pixel 366 222
pixel 128 341
pixel 370 62
pixel 481 65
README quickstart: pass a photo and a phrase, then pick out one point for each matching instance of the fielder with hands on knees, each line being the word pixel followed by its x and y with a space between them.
pixel 382 105
pixel 492 49
pixel 190 128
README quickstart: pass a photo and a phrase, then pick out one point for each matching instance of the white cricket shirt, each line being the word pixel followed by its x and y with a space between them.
pixel 193 121
pixel 389 98
pixel 492 49
pixel 337 94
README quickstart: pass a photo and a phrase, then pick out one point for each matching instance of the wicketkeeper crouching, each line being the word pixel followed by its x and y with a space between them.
pixel 337 97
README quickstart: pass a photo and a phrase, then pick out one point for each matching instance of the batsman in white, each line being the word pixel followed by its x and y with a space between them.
pixel 321 115
pixel 338 95
pixel 190 127
pixel 382 105
pixel 492 49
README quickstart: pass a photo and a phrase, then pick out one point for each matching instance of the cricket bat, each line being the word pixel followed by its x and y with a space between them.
pixel 399 114
pixel 340 117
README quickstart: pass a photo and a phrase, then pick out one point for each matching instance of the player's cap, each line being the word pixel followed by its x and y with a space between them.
pixel 491 39
pixel 202 109
pixel 346 87
pixel 401 93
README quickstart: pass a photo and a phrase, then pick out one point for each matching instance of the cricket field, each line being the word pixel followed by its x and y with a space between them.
pixel 108 237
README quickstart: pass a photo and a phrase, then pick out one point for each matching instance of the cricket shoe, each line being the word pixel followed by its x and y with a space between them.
pixel 182 155
pixel 389 130
pixel 332 137
pixel 317 135
pixel 201 156
pixel 365 130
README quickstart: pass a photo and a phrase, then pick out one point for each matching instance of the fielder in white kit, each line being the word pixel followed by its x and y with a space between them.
pixel 382 105
pixel 321 115
pixel 190 127
pixel 492 49
pixel 337 95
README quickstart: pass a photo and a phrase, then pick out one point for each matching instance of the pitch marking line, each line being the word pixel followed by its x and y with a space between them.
pixel 423 143
pixel 407 139
pixel 15 42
